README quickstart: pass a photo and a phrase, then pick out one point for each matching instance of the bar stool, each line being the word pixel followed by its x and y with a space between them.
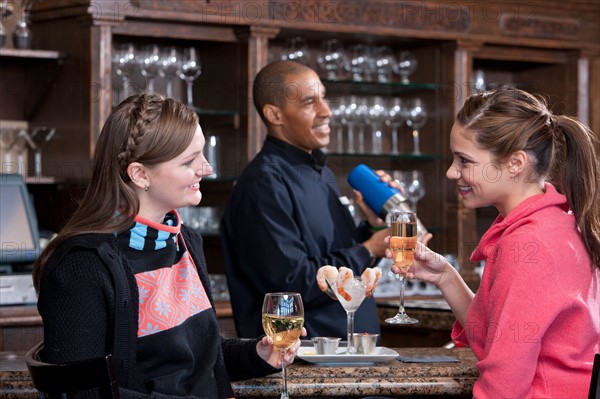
pixel 63 380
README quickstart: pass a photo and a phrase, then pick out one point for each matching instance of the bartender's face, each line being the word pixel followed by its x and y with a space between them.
pixel 304 118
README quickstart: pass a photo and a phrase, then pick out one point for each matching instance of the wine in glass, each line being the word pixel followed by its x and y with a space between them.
pixel 351 294
pixel 282 320
pixel 189 70
pixel 403 241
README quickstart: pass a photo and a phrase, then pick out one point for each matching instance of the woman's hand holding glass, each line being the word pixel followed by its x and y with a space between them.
pixel 272 355
pixel 428 266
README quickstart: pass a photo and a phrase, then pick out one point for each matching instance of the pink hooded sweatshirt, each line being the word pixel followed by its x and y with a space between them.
pixel 534 323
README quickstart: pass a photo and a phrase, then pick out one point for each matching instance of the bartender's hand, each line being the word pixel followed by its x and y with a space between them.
pixel 372 218
pixel 272 355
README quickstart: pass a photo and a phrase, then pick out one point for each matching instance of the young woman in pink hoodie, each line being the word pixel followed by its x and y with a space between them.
pixel 534 323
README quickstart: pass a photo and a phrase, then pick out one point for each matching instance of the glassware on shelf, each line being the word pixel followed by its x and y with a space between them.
pixel 40 137
pixel 384 62
pixel 124 63
pixel 331 58
pixel 414 187
pixel 337 120
pixel 150 65
pixel 416 116
pixel 296 50
pixel 170 64
pixel 282 320
pixel 357 62
pixel 478 81
pixel 361 112
pixel 350 118
pixel 403 241
pixel 189 71
pixel 405 66
pixel 375 117
pixel 395 119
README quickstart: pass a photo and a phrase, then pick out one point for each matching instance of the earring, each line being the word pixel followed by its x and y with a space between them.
pixel 146 188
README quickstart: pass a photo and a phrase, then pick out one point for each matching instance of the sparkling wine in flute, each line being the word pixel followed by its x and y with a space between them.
pixel 403 242
pixel 283 330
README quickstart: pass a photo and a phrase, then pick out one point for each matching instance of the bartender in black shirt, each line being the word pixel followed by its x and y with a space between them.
pixel 284 219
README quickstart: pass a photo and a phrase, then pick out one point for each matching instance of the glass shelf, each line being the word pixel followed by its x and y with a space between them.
pixel 31 54
pixel 427 157
pixel 355 87
pixel 216 112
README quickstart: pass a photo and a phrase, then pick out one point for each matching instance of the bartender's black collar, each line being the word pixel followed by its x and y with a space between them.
pixel 317 159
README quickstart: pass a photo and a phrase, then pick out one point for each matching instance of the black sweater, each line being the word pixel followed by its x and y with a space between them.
pixel 88 289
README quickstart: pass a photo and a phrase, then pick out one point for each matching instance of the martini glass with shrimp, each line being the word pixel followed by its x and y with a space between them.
pixel 351 292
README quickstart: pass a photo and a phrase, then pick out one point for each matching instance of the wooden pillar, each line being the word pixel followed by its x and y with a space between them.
pixel 258 56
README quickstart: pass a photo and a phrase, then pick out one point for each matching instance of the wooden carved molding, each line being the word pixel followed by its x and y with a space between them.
pixel 327 14
pixel 540 27
pixel 105 11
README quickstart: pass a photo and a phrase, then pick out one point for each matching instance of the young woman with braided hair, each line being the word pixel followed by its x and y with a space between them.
pixel 534 323
pixel 125 277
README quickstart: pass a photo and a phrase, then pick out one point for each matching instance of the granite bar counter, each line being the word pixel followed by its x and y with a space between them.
pixel 307 380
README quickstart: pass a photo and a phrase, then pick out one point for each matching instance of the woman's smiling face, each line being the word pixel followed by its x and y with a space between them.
pixel 482 180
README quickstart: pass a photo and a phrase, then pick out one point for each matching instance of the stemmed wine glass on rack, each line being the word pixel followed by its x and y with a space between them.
pixel 150 65
pixel 189 70
pixel 350 118
pixel 282 320
pixel 395 119
pixel 351 295
pixel 338 109
pixel 403 241
pixel 170 63
pixel 416 116
pixel 124 62
pixel 405 66
pixel 415 188
pixel 331 58
pixel 375 117
pixel 296 50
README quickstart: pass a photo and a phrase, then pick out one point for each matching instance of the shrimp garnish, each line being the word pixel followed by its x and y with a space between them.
pixel 344 274
pixel 371 277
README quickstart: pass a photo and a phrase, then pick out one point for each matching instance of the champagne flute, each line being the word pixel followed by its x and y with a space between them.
pixel 351 295
pixel 189 70
pixel 282 320
pixel 403 242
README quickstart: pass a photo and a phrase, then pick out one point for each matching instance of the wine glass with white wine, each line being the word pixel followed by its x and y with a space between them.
pixel 403 241
pixel 282 320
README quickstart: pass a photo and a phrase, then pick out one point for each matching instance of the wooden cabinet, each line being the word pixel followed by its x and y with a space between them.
pixel 548 46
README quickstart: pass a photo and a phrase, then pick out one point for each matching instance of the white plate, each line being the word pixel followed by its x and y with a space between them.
pixel 381 354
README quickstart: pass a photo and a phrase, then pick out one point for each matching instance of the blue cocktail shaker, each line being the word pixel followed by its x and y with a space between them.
pixel 378 195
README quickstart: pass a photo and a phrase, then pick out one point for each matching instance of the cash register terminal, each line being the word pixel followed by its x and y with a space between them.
pixel 19 241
